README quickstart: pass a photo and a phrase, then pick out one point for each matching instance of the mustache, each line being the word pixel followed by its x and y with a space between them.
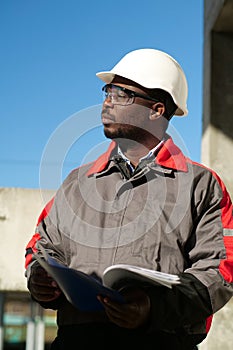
pixel 106 113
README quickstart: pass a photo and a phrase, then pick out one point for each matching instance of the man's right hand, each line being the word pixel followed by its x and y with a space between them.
pixel 41 286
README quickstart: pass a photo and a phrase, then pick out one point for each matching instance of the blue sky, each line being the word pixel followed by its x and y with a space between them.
pixel 49 93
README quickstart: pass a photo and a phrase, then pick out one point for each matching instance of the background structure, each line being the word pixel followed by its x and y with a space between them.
pixel 217 139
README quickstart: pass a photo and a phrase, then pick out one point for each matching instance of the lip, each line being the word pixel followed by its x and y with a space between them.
pixel 107 119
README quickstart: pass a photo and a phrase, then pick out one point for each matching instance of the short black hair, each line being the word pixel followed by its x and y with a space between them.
pixel 165 97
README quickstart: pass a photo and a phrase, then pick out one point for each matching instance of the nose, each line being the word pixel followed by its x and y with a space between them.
pixel 108 101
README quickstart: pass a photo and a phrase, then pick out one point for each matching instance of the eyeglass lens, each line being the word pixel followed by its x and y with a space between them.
pixel 117 94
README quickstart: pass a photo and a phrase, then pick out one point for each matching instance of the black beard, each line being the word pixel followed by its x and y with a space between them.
pixel 127 132
pixel 127 136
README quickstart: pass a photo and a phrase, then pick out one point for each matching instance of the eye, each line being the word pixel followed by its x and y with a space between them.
pixel 121 93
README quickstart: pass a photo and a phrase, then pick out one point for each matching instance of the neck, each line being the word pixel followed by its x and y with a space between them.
pixel 134 151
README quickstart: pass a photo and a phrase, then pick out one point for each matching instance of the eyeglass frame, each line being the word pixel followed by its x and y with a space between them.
pixel 130 92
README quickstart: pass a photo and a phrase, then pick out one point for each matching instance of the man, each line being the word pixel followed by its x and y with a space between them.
pixel 143 203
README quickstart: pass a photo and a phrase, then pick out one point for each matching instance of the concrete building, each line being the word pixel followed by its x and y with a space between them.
pixel 21 320
pixel 217 140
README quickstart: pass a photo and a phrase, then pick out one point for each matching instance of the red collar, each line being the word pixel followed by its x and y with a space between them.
pixel 169 156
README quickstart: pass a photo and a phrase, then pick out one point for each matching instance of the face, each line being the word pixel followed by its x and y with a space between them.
pixel 129 122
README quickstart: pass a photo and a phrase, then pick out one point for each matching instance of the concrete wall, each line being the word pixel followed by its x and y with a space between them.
pixel 217 140
pixel 220 336
pixel 19 211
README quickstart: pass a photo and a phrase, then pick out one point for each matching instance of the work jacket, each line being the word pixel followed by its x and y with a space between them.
pixel 171 215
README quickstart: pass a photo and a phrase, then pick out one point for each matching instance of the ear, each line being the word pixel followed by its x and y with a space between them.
pixel 157 110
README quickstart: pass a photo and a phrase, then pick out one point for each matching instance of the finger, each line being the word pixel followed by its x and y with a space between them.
pixel 42 278
pixel 118 313
pixel 44 289
pixel 43 294
pixel 108 303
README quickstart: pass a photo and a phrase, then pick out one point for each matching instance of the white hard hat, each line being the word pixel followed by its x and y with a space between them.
pixel 152 69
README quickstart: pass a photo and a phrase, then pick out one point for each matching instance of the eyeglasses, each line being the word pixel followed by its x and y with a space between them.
pixel 122 96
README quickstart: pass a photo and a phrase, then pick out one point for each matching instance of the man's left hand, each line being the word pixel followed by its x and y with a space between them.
pixel 134 313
